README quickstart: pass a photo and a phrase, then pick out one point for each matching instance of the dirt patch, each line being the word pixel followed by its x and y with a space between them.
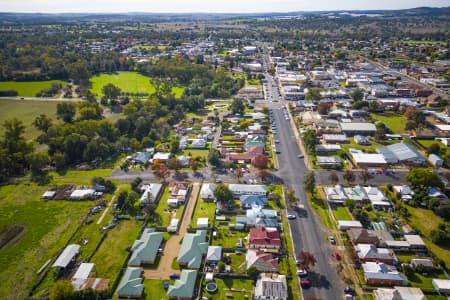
pixel 10 235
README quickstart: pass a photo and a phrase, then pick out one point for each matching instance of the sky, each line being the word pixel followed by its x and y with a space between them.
pixel 211 6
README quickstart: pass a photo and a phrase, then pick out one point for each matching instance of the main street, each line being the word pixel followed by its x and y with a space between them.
pixel 307 230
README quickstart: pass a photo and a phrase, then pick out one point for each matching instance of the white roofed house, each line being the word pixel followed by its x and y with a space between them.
pixel 435 160
pixel 335 194
pixel 382 274
pixel 214 254
pixel 404 191
pixel 369 252
pixel 248 189
pixel 207 192
pixel 377 198
pixel 399 293
pixel 198 144
pixel 356 193
pixel 150 193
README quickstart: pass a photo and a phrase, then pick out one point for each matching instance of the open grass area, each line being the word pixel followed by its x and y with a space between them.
pixel 366 148
pixel 424 282
pixel 318 205
pixel 234 287
pixel 79 177
pixel 203 210
pixel 154 290
pixel 416 219
pixel 427 143
pixel 341 213
pixel 395 122
pixel 112 253
pixel 162 214
pixel 47 226
pixel 28 88
pixel 227 238
pixel 196 152
pixel 26 111
pixel 128 82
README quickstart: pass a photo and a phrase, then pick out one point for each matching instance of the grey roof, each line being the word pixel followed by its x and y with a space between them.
pixel 360 127
pixel 373 270
pixel 250 189
pixel 192 249
pixel 145 249
pixel 83 271
pixel 214 253
pixel 401 152
pixel 131 283
pixel 183 287
pixel 66 256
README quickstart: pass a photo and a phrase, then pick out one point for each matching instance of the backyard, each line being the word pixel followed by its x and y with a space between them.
pixel 203 210
pixel 232 288
pixel 395 122
pixel 28 88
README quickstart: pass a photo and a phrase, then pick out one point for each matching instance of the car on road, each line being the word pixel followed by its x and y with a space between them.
pixel 337 256
pixel 277 141
pixel 350 291
pixel 305 283
pixel 291 217
pixel 300 156
pixel 302 272
pixel 332 240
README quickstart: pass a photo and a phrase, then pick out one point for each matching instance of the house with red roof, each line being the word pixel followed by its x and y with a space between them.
pixel 262 237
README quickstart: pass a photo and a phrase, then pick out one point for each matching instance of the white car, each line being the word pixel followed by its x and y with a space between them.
pixel 291 217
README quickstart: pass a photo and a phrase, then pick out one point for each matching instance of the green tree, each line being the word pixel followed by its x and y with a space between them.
pixel 434 148
pixel 357 94
pixel 333 177
pixel 62 290
pixel 349 176
pixel 310 182
pixel 307 259
pixel 253 272
pixel 260 161
pixel 223 193
pixel 313 94
pixel 38 161
pixel 66 111
pixel 42 122
pixel 111 92
pixel 237 106
pixel 309 139
pixel 214 157
pixel 423 178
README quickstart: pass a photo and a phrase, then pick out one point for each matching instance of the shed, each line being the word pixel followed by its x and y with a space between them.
pixel 344 225
pixel 67 256
pixel 415 241
pixel 214 254
pixel 441 285
pixel 83 271
pixel 173 226
pixel 202 223
pixel 435 160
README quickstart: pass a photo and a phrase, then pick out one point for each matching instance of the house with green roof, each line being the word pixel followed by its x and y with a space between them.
pixel 192 250
pixel 183 287
pixel 144 250
pixel 130 285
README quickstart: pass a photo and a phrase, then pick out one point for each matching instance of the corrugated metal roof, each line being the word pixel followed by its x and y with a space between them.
pixel 66 256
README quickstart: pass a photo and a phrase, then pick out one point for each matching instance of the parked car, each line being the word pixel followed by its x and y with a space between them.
pixel 174 276
pixel 332 240
pixel 349 290
pixel 291 217
pixel 302 272
pixel 337 255
pixel 300 156
pixel 166 285
pixel 305 283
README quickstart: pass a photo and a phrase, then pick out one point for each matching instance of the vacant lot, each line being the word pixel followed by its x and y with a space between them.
pixel 47 226
pixel 128 82
pixel 395 122
pixel 28 88
pixel 26 111
pixel 341 213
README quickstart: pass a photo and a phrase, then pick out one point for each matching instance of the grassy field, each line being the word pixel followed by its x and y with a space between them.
pixel 341 213
pixel 79 177
pixel 26 111
pixel 47 228
pixel 28 88
pixel 203 210
pixel 130 82
pixel 395 122
pixel 366 148
pixel 154 290
pixel 112 253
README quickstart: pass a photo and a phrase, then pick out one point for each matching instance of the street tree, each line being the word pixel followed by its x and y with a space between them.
pixel 349 176
pixel 424 178
pixel 214 157
pixel 333 177
pixel 365 176
pixel 310 182
pixel 306 259
pixel 161 171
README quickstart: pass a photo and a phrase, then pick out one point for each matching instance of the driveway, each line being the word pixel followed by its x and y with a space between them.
pixel 173 245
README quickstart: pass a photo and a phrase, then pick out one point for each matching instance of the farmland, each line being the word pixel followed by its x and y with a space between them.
pixel 28 88
pixel 128 82
pixel 26 111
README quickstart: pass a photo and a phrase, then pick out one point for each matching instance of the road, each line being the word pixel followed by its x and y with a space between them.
pixel 307 232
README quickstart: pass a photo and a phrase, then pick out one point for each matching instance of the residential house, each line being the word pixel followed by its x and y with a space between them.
pixel 415 241
pixel 361 140
pixel 365 160
pixel 399 293
pixel 405 192
pixel 184 160
pixel 334 138
pixel 362 236
pixel 214 255
pixel 335 194
pixel 369 252
pixel 328 162
pixel 130 286
pixel 261 217
pixel 435 160
pixel 207 192
pixel 199 144
pixel 262 237
pixel 356 128
pixel 271 286
pixel 424 262
pixel 192 250
pixel 178 192
pixel 377 198
pixel 145 249
pixel 344 225
pixel 442 286
pixel 183 288
pixel 161 156
pixel 248 201
pixel 327 149
pixel 356 193
pixel 247 189
pixel 262 261
pixel 150 193
pixel 140 158
pixel 382 274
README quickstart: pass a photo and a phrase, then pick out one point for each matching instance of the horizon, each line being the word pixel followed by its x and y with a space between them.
pixel 211 7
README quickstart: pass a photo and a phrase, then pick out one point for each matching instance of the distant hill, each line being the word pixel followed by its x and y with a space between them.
pixel 47 18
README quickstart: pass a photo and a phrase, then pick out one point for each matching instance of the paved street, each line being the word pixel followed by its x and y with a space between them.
pixel 307 232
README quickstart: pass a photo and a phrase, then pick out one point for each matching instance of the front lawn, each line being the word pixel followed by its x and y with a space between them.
pixel 341 213
pixel 227 238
